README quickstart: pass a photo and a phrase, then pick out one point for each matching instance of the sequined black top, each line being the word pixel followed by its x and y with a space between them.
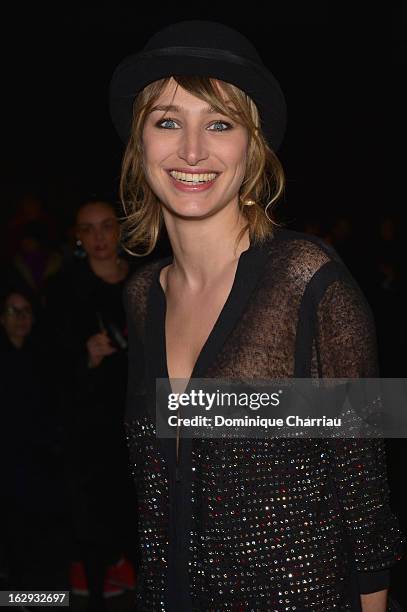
pixel 261 524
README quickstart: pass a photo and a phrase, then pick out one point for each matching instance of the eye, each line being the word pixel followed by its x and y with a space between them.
pixel 167 124
pixel 220 126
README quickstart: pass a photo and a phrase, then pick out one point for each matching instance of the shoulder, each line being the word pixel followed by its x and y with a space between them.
pixel 316 272
pixel 139 282
pixel 300 257
pixel 303 247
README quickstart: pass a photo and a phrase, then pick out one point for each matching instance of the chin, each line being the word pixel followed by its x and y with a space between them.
pixel 23 333
pixel 189 210
pixel 192 214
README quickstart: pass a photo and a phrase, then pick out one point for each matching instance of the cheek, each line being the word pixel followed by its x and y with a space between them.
pixel 153 150
pixel 153 156
pixel 113 236
pixel 158 147
pixel 149 163
pixel 236 155
pixel 11 325
pixel 86 240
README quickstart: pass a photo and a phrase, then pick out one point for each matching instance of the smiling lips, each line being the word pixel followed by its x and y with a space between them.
pixel 194 178
pixel 193 181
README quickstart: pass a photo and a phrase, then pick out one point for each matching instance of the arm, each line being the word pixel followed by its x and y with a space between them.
pixel 346 347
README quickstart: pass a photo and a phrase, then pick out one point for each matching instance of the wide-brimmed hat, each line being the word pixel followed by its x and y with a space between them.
pixel 200 48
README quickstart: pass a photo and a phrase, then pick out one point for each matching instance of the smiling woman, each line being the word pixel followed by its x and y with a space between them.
pixel 195 111
pixel 269 525
pixel 192 140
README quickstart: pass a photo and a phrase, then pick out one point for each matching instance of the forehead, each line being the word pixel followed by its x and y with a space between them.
pixel 173 93
pixel 95 213
pixel 15 299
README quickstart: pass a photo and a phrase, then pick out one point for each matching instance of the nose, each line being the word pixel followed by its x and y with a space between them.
pixel 99 232
pixel 192 146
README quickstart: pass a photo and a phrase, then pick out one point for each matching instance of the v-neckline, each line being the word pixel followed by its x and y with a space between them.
pixel 249 271
pixel 198 370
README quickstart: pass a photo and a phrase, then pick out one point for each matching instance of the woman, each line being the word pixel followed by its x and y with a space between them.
pixel 226 524
pixel 87 320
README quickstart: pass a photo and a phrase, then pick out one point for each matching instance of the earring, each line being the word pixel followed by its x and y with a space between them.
pixel 248 202
pixel 79 251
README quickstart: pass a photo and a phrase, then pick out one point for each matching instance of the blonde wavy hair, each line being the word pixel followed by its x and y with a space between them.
pixel 262 185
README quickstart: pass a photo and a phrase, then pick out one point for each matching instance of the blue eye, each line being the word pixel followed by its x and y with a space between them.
pixel 164 124
pixel 220 126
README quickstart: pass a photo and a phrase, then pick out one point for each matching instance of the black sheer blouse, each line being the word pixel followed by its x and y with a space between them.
pixel 260 524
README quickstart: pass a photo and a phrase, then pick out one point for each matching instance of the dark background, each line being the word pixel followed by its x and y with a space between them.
pixel 341 65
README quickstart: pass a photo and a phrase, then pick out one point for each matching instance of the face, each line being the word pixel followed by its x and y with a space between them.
pixel 17 317
pixel 194 157
pixel 98 230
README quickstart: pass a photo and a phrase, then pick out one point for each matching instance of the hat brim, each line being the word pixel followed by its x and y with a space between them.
pixel 137 71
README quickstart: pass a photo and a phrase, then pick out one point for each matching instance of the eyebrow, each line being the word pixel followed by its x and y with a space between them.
pixel 177 109
pixel 88 223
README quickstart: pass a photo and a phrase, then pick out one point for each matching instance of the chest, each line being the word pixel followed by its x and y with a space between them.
pixel 189 322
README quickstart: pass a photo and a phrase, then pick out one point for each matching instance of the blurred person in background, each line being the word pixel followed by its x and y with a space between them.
pixel 387 294
pixel 33 544
pixel 87 319
pixel 30 255
pixel 28 209
pixel 385 288
pixel 316 227
pixel 34 262
pixel 343 237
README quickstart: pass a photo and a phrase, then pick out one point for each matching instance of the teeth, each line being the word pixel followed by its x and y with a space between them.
pixel 193 178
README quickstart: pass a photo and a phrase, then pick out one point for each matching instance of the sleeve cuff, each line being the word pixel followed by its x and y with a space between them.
pixel 370 582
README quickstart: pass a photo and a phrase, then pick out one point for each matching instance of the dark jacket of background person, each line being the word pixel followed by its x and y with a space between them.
pixel 28 421
pixel 79 305
pixel 32 499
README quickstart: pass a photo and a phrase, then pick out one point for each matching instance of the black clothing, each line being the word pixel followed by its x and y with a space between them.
pixel 29 430
pixel 255 524
pixel 80 304
pixel 32 503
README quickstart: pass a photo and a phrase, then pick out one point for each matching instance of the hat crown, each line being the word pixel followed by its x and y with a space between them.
pixel 203 35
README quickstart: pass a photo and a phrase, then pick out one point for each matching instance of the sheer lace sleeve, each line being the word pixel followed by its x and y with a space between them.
pixel 346 347
pixel 134 300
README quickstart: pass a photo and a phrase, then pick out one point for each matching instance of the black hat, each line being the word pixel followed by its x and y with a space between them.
pixel 200 48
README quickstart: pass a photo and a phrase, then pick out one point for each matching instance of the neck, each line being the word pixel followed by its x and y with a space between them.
pixel 203 248
pixel 109 267
pixel 17 341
